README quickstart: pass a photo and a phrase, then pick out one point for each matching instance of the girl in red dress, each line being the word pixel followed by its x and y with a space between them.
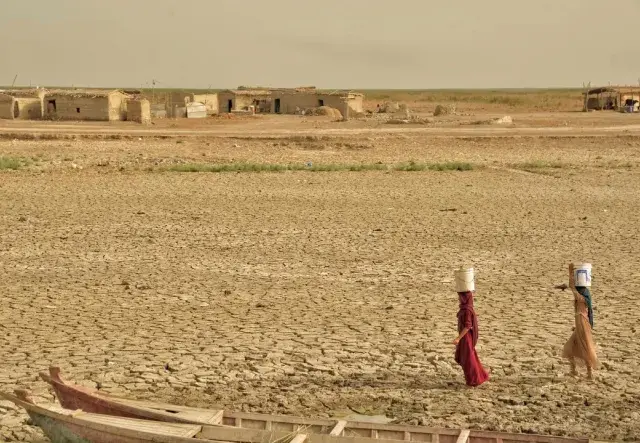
pixel 466 355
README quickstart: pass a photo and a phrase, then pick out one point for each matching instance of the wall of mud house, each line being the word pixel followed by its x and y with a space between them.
pixel 355 102
pixel 6 107
pixel 223 101
pixel 23 108
pixel 335 101
pixel 117 107
pixel 241 102
pixel 290 102
pixel 29 108
pixel 67 107
pixel 139 110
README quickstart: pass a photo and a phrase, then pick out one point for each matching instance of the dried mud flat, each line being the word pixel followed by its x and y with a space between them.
pixel 323 293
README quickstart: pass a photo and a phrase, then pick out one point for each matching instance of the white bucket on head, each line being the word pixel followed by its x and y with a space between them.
pixel 582 274
pixel 465 280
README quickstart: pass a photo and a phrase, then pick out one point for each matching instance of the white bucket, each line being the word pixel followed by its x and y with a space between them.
pixel 465 280
pixel 582 274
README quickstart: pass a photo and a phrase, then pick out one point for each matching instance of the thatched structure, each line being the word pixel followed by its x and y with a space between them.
pixel 612 98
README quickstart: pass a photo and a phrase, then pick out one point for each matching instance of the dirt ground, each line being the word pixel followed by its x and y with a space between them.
pixel 323 293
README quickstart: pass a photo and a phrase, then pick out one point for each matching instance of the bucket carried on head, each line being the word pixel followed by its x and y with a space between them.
pixel 582 274
pixel 465 280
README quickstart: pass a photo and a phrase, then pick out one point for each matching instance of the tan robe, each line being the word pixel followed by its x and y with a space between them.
pixel 580 345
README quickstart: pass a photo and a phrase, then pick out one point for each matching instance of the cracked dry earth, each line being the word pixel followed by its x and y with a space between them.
pixel 320 294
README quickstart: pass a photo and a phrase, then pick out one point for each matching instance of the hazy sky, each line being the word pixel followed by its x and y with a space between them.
pixel 328 43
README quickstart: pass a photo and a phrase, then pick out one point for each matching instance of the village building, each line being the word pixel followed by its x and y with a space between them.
pixel 288 100
pixel 176 102
pixel 24 104
pixel 139 110
pixel 96 105
pixel 619 98
pixel 239 100
pixel 293 101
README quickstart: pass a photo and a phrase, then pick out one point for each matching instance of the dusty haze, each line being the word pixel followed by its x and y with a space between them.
pixel 334 43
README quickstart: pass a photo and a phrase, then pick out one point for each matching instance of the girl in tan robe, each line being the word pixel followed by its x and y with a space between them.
pixel 581 346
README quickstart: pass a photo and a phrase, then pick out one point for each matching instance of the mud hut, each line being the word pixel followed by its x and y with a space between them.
pixel 95 105
pixel 291 101
pixel 139 110
pixel 239 100
pixel 24 104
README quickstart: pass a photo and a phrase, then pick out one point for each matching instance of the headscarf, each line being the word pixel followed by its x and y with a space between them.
pixel 586 294
pixel 466 305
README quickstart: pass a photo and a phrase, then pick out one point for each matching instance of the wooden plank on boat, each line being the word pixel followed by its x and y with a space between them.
pixel 213 417
pixel 132 424
pixel 237 416
pixel 338 428
pixel 300 438
pixel 464 436
pixel 246 435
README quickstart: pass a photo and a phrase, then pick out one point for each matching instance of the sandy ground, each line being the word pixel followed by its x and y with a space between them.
pixel 324 293
pixel 524 123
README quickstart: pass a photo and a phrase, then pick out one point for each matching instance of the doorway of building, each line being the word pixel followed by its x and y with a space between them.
pixel 51 107
pixel 16 109
pixel 230 105
pixel 276 106
pixel 320 102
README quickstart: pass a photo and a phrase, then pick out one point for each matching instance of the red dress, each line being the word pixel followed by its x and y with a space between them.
pixel 466 355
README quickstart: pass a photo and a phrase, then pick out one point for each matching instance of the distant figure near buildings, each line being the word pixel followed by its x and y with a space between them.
pixel 581 346
pixel 466 355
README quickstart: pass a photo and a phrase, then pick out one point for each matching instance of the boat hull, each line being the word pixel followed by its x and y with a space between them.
pixel 76 397
pixel 62 425
pixel 60 432
pixel 73 397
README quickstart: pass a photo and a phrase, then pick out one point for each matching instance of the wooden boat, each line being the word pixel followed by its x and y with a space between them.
pixel 92 401
pixel 67 426
pixel 73 396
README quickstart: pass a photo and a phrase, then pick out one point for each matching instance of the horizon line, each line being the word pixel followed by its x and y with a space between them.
pixel 448 89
